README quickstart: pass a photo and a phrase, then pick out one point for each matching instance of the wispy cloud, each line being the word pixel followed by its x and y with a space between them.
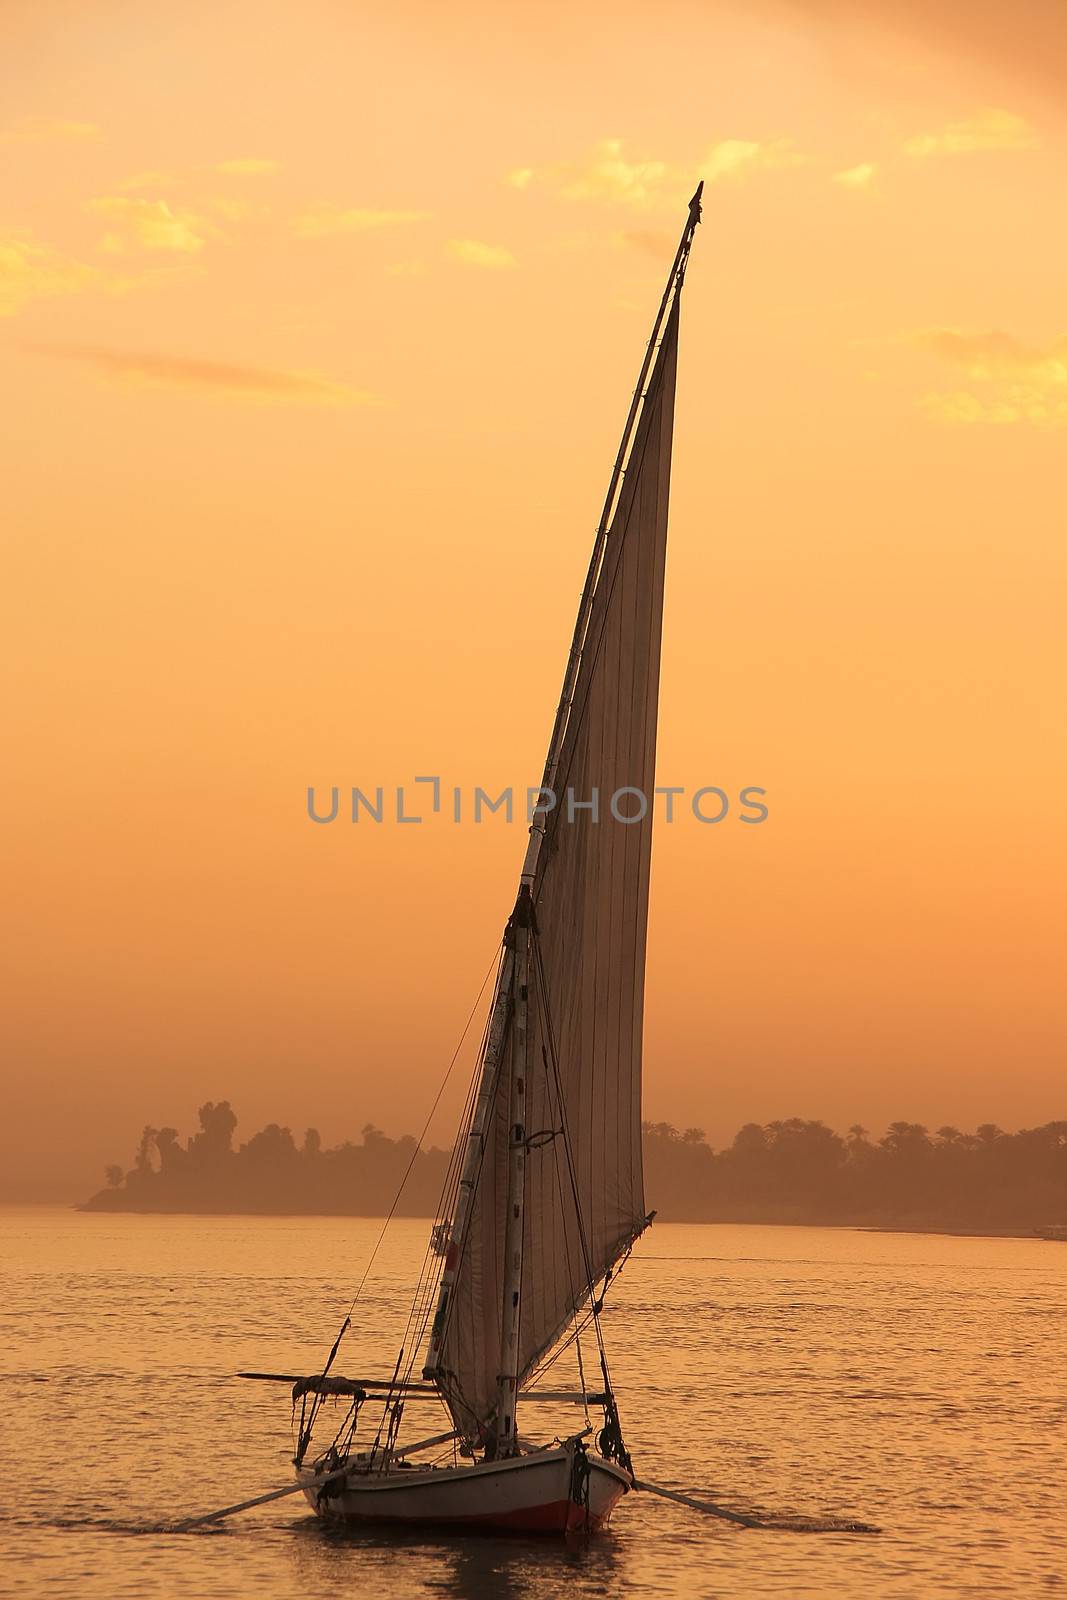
pixel 153 179
pixel 985 130
pixel 47 130
pixel 1011 381
pixel 858 177
pixel 151 224
pixel 233 210
pixel 609 175
pixel 606 174
pixel 32 271
pixel 248 167
pixel 473 253
pixel 733 159
pixel 228 380
pixel 323 222
pixel 156 179
pixel 997 355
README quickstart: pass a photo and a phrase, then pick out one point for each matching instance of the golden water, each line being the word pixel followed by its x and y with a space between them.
pixel 914 1381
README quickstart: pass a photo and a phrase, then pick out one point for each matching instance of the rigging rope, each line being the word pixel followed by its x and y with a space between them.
pixel 305 1433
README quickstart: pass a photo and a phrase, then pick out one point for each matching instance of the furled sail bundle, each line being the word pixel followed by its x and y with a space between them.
pixel 588 878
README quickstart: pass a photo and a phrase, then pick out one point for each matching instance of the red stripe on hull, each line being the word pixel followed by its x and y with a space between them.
pixel 561 1517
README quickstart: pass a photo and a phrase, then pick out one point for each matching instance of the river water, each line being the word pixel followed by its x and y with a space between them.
pixel 914 1381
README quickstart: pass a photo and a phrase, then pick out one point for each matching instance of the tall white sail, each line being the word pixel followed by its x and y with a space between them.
pixel 591 905
pixel 584 1192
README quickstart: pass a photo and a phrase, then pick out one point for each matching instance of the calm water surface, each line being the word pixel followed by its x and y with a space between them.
pixel 914 1381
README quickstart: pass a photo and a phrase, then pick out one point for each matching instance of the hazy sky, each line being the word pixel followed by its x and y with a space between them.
pixel 319 326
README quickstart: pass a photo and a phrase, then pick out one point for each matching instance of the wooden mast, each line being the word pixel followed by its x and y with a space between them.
pixel 521 930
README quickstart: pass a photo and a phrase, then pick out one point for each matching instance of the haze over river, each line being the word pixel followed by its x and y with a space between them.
pixel 915 1381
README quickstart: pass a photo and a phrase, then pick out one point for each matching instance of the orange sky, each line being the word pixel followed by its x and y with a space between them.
pixel 319 323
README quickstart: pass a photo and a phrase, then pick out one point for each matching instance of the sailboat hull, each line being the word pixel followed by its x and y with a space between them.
pixel 552 1491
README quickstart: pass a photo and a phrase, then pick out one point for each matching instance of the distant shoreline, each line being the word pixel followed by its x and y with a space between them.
pixel 950 1233
pixel 10 1204
pixel 712 1222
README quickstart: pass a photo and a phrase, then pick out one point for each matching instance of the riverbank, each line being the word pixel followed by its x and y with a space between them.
pixel 931 1229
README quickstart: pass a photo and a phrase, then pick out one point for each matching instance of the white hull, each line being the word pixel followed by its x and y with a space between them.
pixel 557 1490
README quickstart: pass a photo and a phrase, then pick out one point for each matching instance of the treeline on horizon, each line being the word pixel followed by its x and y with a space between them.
pixel 795 1171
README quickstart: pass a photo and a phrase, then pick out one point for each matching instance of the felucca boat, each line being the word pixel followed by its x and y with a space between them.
pixel 545 1197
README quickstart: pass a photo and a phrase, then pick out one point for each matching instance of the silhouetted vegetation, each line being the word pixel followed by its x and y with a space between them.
pixel 792 1171
pixel 271 1173
pixel 798 1171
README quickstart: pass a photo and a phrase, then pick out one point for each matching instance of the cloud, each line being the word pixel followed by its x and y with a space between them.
pixel 986 130
pixel 739 158
pixel 323 222
pixel 858 177
pixel 1012 381
pixel 607 175
pixel 151 224
pixel 156 179
pixel 960 408
pixel 997 355
pixel 248 167
pixel 235 210
pixel 31 271
pixel 472 253
pixel 224 379
pixel 46 130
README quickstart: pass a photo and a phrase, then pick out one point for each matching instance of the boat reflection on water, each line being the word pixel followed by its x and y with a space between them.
pixel 346 1558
